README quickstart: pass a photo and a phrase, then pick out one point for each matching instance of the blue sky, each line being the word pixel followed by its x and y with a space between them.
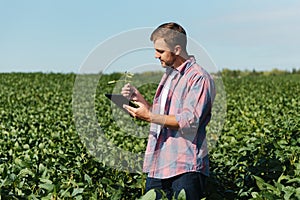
pixel 58 36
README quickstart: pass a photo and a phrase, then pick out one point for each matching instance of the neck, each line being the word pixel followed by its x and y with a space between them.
pixel 180 59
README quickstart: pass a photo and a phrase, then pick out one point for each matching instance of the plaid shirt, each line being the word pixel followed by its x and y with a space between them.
pixel 190 98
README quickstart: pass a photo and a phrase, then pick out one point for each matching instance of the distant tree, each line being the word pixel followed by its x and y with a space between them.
pixel 295 71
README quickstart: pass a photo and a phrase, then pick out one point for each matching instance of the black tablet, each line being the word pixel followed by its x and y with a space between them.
pixel 120 100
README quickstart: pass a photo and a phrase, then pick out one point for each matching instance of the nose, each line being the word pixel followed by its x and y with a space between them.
pixel 157 54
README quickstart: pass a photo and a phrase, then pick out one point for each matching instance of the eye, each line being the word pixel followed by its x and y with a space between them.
pixel 159 50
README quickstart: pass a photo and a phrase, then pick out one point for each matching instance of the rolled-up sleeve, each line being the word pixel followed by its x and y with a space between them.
pixel 196 104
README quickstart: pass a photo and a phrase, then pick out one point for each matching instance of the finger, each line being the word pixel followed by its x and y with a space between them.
pixel 126 88
pixel 125 93
pixel 130 110
pixel 140 104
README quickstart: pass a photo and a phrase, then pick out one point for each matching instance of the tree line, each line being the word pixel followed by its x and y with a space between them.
pixel 273 72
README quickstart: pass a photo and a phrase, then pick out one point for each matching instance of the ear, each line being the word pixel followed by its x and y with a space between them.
pixel 177 50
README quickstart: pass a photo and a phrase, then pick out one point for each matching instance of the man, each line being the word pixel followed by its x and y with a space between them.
pixel 176 157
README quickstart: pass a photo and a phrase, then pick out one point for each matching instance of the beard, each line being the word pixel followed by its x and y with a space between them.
pixel 164 64
pixel 168 63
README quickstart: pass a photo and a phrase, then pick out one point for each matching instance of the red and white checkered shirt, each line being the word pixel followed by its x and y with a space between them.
pixel 190 97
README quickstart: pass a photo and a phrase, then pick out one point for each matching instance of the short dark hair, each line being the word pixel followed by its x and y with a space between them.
pixel 172 33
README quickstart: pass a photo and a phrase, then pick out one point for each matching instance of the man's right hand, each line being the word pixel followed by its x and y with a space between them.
pixel 131 93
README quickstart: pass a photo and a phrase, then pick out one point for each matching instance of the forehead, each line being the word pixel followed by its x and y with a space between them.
pixel 161 44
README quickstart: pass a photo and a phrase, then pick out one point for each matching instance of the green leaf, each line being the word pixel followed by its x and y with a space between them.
pixel 298 193
pixel 255 195
pixel 150 195
pixel 25 172
pixel 32 197
pixel 289 191
pixel 294 180
pixel 182 195
pixel 88 179
pixel 78 197
pixel 262 185
pixel 47 186
pixel 282 177
pixel 65 193
pixel 77 191
pixel 45 180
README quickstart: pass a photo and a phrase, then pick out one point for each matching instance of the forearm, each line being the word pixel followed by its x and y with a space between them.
pixel 168 121
pixel 144 113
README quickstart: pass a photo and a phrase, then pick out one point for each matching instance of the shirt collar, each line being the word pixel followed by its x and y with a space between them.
pixel 184 66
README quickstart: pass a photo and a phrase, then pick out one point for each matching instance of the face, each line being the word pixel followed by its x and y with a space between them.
pixel 164 53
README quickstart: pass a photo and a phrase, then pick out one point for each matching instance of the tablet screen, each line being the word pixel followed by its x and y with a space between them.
pixel 120 100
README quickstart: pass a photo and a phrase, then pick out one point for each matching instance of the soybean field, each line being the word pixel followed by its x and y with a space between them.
pixel 47 152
